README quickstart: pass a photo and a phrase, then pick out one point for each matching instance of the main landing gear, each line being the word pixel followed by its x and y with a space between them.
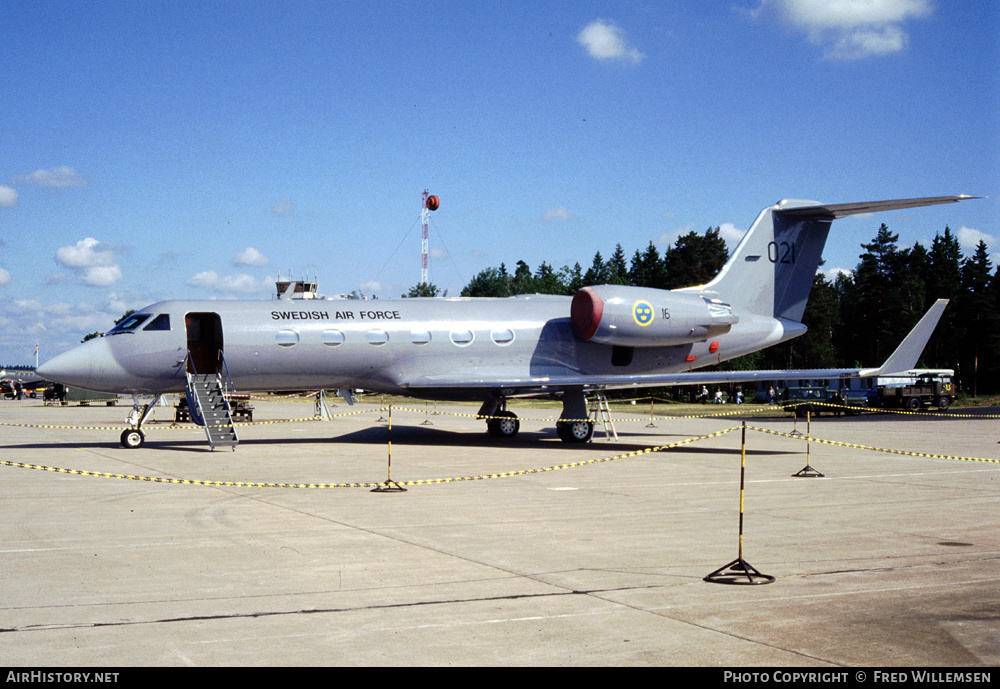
pixel 500 423
pixel 575 431
pixel 573 426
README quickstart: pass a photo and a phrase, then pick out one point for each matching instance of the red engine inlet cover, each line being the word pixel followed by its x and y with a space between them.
pixel 585 313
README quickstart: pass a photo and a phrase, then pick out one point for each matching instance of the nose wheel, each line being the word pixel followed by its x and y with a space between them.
pixel 133 438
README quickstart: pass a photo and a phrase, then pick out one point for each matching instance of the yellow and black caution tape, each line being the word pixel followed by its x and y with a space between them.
pixel 523 472
pixel 419 482
pixel 872 448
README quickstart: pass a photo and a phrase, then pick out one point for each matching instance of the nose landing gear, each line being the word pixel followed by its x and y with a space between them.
pixel 133 437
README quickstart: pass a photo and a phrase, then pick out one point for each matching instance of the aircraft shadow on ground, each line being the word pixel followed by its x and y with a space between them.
pixel 426 436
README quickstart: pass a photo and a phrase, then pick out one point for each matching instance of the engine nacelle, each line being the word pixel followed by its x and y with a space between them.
pixel 646 317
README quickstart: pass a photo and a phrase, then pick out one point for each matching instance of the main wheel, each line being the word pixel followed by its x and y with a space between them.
pixel 575 431
pixel 505 425
pixel 133 438
pixel 915 404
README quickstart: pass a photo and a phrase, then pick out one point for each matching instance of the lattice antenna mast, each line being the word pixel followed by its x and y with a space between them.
pixel 424 217
pixel 431 203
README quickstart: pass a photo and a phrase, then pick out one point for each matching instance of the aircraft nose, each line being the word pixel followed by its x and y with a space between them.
pixel 90 366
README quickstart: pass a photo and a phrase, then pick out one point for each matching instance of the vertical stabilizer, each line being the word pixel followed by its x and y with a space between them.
pixel 772 269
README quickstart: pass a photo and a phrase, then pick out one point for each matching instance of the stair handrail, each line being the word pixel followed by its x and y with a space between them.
pixel 192 399
pixel 228 386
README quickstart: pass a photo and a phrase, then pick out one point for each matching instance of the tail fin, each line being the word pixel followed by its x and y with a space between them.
pixel 772 269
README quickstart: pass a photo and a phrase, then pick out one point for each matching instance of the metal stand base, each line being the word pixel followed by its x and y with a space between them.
pixel 807 472
pixel 388 487
pixel 740 572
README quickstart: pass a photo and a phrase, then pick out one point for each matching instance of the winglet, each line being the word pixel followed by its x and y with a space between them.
pixel 909 350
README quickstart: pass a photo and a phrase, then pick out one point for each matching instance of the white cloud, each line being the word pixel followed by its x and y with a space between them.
pixel 283 207
pixel 94 263
pixel 605 41
pixel 851 29
pixel 968 239
pixel 731 234
pixel 59 325
pixel 84 254
pixel 869 42
pixel 63 176
pixel 250 257
pixel 8 197
pixel 559 214
pixel 373 287
pixel 832 273
pixel 229 284
pixel 101 276
pixel 4 277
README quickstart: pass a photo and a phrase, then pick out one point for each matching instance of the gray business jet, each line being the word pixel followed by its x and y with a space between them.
pixel 483 349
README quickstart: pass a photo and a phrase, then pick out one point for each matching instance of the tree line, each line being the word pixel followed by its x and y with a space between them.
pixel 855 320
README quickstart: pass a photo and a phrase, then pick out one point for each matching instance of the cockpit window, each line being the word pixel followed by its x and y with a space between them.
pixel 130 324
pixel 161 322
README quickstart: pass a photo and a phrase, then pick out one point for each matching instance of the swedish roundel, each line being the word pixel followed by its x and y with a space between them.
pixel 642 312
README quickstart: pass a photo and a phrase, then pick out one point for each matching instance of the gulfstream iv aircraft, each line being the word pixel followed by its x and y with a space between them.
pixel 484 349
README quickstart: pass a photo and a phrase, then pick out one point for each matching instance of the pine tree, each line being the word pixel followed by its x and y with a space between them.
pixel 617 268
pixel 943 280
pixel 694 259
pixel 873 316
pixel 597 274
pixel 977 312
pixel 523 282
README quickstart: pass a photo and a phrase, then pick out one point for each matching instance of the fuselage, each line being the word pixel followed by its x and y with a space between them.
pixel 459 348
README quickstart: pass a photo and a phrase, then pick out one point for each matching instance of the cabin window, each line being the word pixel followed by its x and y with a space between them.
pixel 462 338
pixel 377 337
pixel 420 337
pixel 130 324
pixel 161 322
pixel 286 338
pixel 503 337
pixel 332 338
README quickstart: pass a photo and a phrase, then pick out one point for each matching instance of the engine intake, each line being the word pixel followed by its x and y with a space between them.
pixel 646 317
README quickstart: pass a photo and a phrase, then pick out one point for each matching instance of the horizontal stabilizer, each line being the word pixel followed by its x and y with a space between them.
pixel 840 210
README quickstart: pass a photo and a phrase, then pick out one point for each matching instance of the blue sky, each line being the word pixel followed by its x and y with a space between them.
pixel 183 149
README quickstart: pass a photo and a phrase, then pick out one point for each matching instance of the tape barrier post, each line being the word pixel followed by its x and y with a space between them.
pixel 739 571
pixel 807 471
pixel 389 486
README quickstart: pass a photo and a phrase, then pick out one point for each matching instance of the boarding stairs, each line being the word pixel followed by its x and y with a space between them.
pixel 206 391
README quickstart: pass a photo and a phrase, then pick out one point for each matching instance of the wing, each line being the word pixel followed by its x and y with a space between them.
pixel 904 358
